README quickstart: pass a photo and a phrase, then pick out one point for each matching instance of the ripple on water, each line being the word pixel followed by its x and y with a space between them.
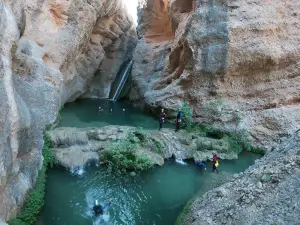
pixel 155 197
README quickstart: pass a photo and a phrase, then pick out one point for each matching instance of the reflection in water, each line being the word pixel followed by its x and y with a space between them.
pixel 154 197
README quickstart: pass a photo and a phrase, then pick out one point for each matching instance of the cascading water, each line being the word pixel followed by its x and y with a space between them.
pixel 115 93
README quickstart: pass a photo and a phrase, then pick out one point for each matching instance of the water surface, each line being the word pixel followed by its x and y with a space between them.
pixel 154 197
pixel 86 113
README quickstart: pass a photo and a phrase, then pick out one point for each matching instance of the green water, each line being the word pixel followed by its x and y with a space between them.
pixel 86 113
pixel 155 197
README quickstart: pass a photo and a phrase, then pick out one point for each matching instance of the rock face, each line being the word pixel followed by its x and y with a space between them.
pixel 241 64
pixel 76 147
pixel 267 193
pixel 49 53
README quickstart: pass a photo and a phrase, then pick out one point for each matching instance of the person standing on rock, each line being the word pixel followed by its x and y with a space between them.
pixel 162 118
pixel 178 120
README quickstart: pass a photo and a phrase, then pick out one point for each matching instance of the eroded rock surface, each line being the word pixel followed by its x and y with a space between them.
pixel 49 53
pixel 267 193
pixel 248 59
pixel 75 147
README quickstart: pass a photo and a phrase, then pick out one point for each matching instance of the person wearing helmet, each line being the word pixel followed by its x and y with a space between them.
pixel 178 120
pixel 162 117
pixel 99 209
pixel 215 157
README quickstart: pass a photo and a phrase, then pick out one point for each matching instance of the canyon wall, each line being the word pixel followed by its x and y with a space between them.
pixel 267 193
pixel 49 54
pixel 235 61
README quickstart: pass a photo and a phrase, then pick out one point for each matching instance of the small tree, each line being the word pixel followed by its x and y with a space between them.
pixel 187 114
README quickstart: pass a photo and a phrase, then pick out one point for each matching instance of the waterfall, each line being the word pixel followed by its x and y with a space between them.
pixel 180 161
pixel 122 82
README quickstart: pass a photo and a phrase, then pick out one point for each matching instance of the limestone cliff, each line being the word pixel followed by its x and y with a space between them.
pixel 49 53
pixel 267 193
pixel 237 58
pixel 237 63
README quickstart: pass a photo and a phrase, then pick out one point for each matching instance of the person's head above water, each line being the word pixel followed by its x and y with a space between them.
pixel 96 202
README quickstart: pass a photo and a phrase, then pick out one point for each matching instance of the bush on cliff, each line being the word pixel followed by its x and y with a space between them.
pixel 122 156
pixel 187 114
pixel 35 199
pixel 239 140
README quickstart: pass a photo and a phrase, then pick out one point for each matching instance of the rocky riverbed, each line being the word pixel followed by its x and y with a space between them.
pixel 75 147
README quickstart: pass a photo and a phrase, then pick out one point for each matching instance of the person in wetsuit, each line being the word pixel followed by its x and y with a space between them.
pixel 215 157
pixel 99 209
pixel 215 162
pixel 178 120
pixel 162 118
pixel 215 166
pixel 200 163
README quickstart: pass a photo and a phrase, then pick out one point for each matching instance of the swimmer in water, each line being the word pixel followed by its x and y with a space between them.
pixel 99 209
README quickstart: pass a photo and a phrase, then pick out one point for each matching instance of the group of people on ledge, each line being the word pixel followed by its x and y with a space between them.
pixel 162 119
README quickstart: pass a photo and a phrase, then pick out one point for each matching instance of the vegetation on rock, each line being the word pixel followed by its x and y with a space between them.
pixel 122 156
pixel 183 213
pixel 158 146
pixel 35 199
pixel 239 140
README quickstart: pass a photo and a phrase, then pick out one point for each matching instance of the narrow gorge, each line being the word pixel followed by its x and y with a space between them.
pixel 234 63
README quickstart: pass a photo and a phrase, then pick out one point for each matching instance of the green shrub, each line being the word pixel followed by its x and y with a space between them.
pixel 258 151
pixel 239 140
pixel 35 199
pixel 137 136
pixel 187 114
pixel 158 146
pixel 206 130
pixel 234 144
pixel 122 157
